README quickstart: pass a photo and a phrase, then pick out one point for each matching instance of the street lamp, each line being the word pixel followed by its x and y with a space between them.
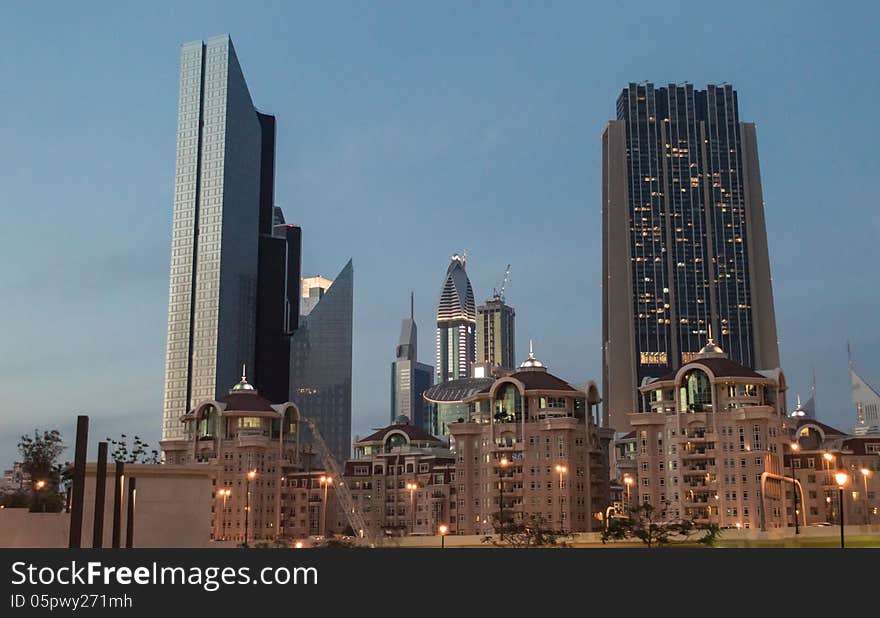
pixel 225 493
pixel 561 470
pixel 504 463
pixel 412 488
pixel 442 529
pixel 326 481
pixel 40 485
pixel 628 481
pixel 794 447
pixel 842 478
pixel 865 474
pixel 251 475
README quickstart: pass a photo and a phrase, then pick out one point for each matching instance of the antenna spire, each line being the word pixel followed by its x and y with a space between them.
pixel 412 305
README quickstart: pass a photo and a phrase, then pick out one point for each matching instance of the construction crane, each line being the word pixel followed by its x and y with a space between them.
pixel 349 505
pixel 499 294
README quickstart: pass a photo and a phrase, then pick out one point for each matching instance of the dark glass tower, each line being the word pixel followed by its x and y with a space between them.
pixel 320 373
pixel 229 273
pixel 684 239
pixel 410 378
pixel 456 323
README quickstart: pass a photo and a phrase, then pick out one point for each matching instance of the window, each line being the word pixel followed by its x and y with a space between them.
pixel 696 392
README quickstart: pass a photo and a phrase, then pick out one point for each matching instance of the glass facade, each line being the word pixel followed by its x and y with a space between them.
pixel 320 378
pixel 688 234
pixel 456 324
pixel 223 192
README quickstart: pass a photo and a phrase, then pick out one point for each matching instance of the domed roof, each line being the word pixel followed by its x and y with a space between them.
pixel 531 362
pixel 711 350
pixel 243 385
pixel 798 412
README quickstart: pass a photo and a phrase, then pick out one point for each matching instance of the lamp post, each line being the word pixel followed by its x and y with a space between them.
pixel 442 529
pixel 503 463
pixel 828 458
pixel 251 475
pixel 628 481
pixel 561 470
pixel 325 482
pixel 412 488
pixel 225 493
pixel 842 478
pixel 794 447
pixel 865 474
pixel 39 485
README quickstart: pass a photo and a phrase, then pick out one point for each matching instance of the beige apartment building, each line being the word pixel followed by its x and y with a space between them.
pixel 534 445
pixel 400 480
pixel 248 442
pixel 821 452
pixel 710 445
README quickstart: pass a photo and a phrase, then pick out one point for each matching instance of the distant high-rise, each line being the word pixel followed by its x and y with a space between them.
pixel 313 289
pixel 228 294
pixel 456 323
pixel 866 401
pixel 320 374
pixel 683 238
pixel 496 333
pixel 410 378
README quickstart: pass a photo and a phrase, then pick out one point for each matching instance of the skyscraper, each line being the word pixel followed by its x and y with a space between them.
pixel 320 374
pixel 496 333
pixel 683 238
pixel 410 378
pixel 866 401
pixel 227 293
pixel 456 323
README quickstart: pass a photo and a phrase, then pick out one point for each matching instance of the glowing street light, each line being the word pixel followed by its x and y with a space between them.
pixel 842 479
pixel 40 484
pixel 443 530
pixel 251 475
pixel 326 481
pixel 794 447
pixel 224 493
pixel 561 470
pixel 865 474
pixel 503 463
pixel 412 487
pixel 628 481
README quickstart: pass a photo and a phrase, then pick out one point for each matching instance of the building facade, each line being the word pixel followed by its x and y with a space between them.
pixel 410 378
pixel 456 324
pixel 496 333
pixel 320 372
pixel 247 442
pixel 531 448
pixel 822 451
pixel 447 402
pixel 221 235
pixel 711 442
pixel 866 400
pixel 684 239
pixel 400 478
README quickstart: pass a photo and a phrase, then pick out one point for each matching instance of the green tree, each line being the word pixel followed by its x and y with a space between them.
pixel 645 525
pixel 39 456
pixel 138 453
pixel 531 531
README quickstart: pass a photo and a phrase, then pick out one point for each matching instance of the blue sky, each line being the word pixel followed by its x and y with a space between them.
pixel 407 132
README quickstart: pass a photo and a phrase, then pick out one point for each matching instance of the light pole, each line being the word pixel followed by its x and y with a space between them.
pixel 251 475
pixel 828 457
pixel 442 529
pixel 561 470
pixel 865 474
pixel 225 493
pixel 326 481
pixel 794 447
pixel 412 488
pixel 39 485
pixel 628 481
pixel 842 478
pixel 503 463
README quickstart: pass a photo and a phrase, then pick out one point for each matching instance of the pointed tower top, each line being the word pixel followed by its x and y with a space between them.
pixel 243 385
pixel 531 361
pixel 710 349
pixel 412 301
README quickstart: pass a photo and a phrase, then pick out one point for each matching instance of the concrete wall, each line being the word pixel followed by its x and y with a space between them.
pixel 172 509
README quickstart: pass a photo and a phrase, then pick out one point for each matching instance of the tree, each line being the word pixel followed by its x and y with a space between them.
pixel 644 524
pixel 139 452
pixel 39 456
pixel 532 531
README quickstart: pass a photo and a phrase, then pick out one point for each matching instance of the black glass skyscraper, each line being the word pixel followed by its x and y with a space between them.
pixel 684 238
pixel 320 375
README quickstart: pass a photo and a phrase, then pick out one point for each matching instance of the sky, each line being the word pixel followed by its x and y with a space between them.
pixel 408 132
